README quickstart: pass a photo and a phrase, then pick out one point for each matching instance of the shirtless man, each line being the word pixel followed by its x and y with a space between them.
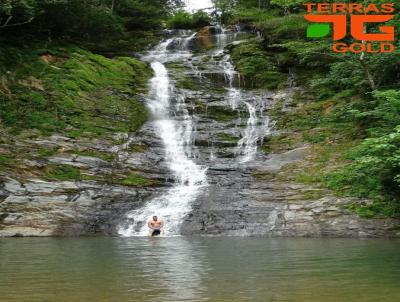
pixel 155 225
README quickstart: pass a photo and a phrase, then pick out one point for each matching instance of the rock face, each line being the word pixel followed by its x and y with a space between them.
pixel 32 206
pixel 238 204
pixel 241 198
pixel 40 208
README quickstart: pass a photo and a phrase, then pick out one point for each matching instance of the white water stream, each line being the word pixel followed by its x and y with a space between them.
pixel 175 127
pixel 176 135
pixel 258 126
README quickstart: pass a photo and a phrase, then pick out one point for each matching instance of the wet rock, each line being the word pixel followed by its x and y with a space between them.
pixel 235 202
pixel 66 208
pixel 278 161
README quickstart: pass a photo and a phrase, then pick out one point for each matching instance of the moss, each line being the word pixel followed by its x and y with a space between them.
pixel 187 83
pixel 280 143
pixel 45 152
pixel 7 159
pixel 222 114
pixel 313 194
pixel 176 66
pixel 69 88
pixel 120 141
pixel 91 177
pixel 106 156
pixel 61 172
pixel 228 138
pixel 258 68
pixel 311 177
pixel 134 180
pixel 263 175
pixel 138 148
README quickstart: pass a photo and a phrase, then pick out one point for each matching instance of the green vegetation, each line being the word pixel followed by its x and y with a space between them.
pixel 61 173
pixel 70 89
pixel 349 108
pixel 109 22
pixel 106 156
pixel 54 172
pixel 228 138
pixel 257 67
pixel 185 20
pixel 138 148
pixel 134 180
pixel 6 159
pixel 47 152
pixel 53 78
pixel 222 114
pixel 187 83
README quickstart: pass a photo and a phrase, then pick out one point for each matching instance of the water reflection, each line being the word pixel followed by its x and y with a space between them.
pixel 199 269
pixel 176 266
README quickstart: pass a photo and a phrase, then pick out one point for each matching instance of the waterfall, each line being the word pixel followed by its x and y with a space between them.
pixel 176 128
pixel 247 146
pixel 176 134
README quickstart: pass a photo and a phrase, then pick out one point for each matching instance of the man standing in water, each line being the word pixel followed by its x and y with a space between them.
pixel 155 225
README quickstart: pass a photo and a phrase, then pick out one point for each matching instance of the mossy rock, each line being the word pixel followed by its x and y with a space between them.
pixel 63 88
pixel 258 68
pixel 228 138
pixel 222 114
pixel 264 175
pixel 188 83
pixel 138 148
pixel 134 180
pixel 61 173
pixel 106 156
pixel 7 159
pixel 281 143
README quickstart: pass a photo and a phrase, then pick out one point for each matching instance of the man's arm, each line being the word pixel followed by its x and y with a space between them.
pixel 161 224
pixel 149 225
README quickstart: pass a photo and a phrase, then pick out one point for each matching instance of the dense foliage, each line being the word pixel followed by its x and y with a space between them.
pixel 76 19
pixel 185 20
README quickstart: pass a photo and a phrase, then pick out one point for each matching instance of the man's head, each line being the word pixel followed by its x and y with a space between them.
pixel 155 218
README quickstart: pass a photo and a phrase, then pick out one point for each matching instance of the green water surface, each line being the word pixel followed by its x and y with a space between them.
pixel 199 269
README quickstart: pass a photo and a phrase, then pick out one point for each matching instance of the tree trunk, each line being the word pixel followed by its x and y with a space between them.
pixel 370 77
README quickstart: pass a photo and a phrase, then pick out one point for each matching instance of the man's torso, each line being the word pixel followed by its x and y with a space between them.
pixel 156 224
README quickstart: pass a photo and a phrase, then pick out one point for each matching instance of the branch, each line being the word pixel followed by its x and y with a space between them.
pixel 7 21
pixel 15 24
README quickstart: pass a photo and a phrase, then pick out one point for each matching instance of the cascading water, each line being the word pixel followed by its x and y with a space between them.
pixel 176 135
pixel 247 145
pixel 175 126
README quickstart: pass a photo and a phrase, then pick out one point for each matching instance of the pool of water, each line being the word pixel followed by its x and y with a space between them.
pixel 199 269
